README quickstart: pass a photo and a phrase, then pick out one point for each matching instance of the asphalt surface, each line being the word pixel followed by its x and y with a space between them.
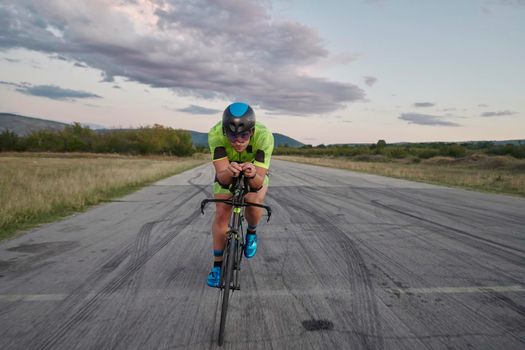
pixel 348 261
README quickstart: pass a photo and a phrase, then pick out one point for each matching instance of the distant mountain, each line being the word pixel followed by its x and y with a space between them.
pixel 282 140
pixel 94 126
pixel 201 139
pixel 22 126
pixel 497 143
pixel 512 142
pixel 25 125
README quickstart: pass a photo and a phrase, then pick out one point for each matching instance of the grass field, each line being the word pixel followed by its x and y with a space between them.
pixel 39 187
pixel 499 174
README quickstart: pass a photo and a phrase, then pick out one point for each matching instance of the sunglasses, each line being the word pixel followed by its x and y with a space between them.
pixel 243 136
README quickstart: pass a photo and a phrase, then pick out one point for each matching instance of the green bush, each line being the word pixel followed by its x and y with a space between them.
pixel 76 138
pixel 426 153
pixel 395 152
pixel 453 150
pixel 517 151
pixel 43 140
pixel 9 141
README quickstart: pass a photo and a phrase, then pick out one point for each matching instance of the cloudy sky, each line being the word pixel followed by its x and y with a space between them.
pixel 320 71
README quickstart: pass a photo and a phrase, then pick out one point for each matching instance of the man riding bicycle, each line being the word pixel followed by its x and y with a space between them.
pixel 238 143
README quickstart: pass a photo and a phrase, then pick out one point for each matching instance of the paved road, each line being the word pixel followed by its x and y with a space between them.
pixel 349 261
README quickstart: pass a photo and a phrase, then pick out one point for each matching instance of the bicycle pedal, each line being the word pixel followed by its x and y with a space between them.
pixel 237 287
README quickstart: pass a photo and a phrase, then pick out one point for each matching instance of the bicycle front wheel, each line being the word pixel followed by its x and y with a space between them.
pixel 228 261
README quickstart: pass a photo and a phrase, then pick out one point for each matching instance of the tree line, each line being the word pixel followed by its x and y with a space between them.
pixel 156 139
pixel 397 151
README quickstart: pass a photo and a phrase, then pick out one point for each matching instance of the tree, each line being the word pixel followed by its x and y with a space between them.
pixel 77 138
pixel 8 141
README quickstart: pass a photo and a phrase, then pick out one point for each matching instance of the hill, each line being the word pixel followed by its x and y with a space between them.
pixel 199 138
pixel 22 126
pixel 495 142
pixel 511 142
pixel 283 140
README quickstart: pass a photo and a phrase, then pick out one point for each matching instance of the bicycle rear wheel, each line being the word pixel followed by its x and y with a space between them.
pixel 228 262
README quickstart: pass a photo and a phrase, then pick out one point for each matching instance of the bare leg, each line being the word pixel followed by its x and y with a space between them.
pixel 253 214
pixel 220 224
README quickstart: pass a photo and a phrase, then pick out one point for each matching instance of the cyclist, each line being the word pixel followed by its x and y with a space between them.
pixel 238 143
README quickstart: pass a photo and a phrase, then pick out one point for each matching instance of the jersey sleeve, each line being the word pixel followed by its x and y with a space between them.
pixel 216 144
pixel 264 149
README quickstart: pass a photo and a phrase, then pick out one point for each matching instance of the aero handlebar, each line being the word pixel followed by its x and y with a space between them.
pixel 230 202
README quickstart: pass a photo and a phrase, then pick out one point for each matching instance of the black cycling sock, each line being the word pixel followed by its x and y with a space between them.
pixel 251 230
pixel 217 263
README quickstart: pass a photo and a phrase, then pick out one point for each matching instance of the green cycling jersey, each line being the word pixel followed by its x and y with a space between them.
pixel 259 150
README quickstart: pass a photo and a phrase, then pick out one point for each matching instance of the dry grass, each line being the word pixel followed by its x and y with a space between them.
pixel 479 172
pixel 41 187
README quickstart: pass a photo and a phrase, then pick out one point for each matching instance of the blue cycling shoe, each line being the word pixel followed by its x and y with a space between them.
pixel 214 278
pixel 251 246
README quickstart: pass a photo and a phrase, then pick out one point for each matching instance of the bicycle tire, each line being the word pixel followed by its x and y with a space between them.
pixel 226 290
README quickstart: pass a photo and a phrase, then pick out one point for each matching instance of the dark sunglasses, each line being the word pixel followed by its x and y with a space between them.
pixel 243 136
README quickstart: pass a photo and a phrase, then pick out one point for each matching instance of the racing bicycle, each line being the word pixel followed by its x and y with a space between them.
pixel 235 243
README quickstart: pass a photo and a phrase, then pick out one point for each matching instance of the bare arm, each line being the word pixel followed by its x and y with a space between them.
pixel 255 174
pixel 226 171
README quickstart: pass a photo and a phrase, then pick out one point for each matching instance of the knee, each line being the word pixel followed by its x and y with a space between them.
pixel 254 198
pixel 222 213
pixel 253 211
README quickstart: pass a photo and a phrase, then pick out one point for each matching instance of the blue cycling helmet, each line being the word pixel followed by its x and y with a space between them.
pixel 238 118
